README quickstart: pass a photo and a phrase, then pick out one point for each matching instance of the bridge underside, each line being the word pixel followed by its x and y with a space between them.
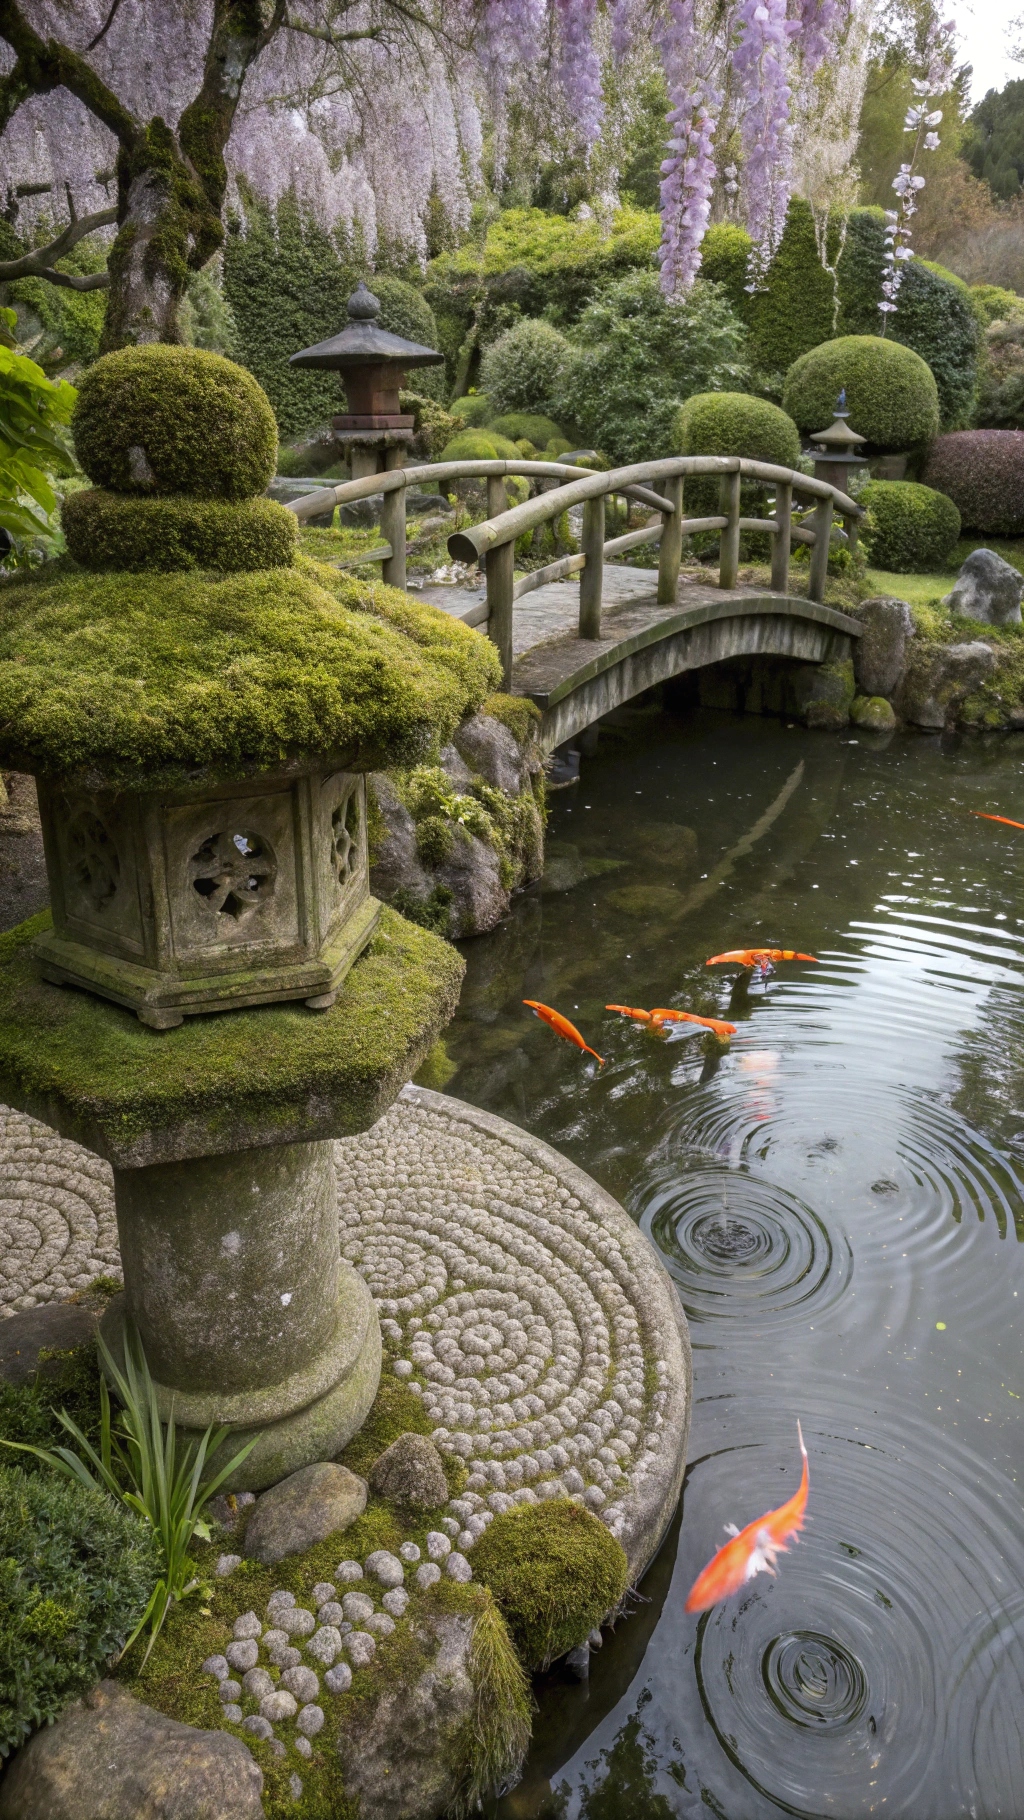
pixel 575 681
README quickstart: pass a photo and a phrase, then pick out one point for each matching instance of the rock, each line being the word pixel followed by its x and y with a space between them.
pixel 304 1508
pixel 578 1662
pixel 301 1682
pixel 454 766
pixel 297 1621
pixel 274 1639
pixel 232 1714
pixel 438 1545
pixel 410 1471
pixel 396 863
pixel 880 654
pixel 229 1508
pixel 357 1607
pixel 472 874
pixel 108 1757
pixel 428 1575
pixel 409 1552
pixel 226 1564
pixel 243 1655
pixel 873 712
pixel 324 1646
pixel 229 1691
pixel 338 1680
pixel 248 1625
pixel 55 1327
pixel 295 1787
pixel 279 1598
pixel 279 1705
pixel 385 1567
pixel 310 1720
pixel 831 693
pixel 349 1570
pixel 937 682
pixel 399 1756
pixel 331 1613
pixel 303 1746
pixel 490 751
pixel 457 1567
pixel 217 1666
pixel 380 1624
pixel 395 1601
pixel 323 1591
pixel 418 503
pixel 360 1648
pixel 987 588
pixel 258 1726
pixel 257 1683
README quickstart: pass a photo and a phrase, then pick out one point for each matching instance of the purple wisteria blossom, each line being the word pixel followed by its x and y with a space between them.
pixel 761 63
pixel 688 172
pixel 579 67
pixel 921 120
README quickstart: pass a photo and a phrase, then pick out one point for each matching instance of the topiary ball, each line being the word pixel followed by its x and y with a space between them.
pixel 479 445
pixel 910 528
pixel 891 393
pixel 555 1571
pixel 735 423
pixel 521 371
pixel 526 426
pixel 116 531
pixel 475 409
pixel 163 419
pixel 982 472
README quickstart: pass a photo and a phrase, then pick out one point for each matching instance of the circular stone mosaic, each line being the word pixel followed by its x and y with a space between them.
pixel 516 1298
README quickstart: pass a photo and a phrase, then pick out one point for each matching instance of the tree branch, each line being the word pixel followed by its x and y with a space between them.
pixel 45 64
pixel 39 264
pixel 326 35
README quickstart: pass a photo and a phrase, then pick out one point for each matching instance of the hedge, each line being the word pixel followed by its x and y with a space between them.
pixel 890 392
pixel 517 425
pixel 796 308
pixel 736 423
pixel 115 531
pixel 982 472
pixel 910 528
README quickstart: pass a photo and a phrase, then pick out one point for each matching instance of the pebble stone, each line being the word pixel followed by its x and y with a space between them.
pixel 232 1713
pixel 357 1606
pixel 226 1564
pixel 385 1567
pixel 427 1575
pixel 243 1655
pixel 409 1552
pixel 303 1746
pixel 360 1648
pixel 278 1705
pixel 58 1229
pixel 349 1570
pixel 228 1692
pixel 215 1665
pixel 325 1643
pixel 338 1680
pixel 322 1591
pixel 380 1624
pixel 457 1567
pixel 395 1602
pixel 295 1786
pixel 310 1720
pixel 437 1545
pixel 278 1599
pixel 301 1682
pixel 248 1625
pixel 296 1620
pixel 259 1726
pixel 257 1683
pixel 330 1612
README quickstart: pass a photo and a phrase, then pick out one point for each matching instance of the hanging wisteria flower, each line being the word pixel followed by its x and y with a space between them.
pixel 761 64
pixel 579 67
pixel 921 120
pixel 688 172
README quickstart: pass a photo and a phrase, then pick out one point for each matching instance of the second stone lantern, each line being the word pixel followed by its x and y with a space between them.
pixel 374 433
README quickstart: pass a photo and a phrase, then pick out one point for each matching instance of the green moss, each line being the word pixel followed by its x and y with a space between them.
pixel 495 1737
pixel 142 681
pixel 909 527
pixel 203 423
pixel 115 531
pixel 432 912
pixel 890 392
pixel 435 840
pixel 93 1069
pixel 70 1381
pixel 480 445
pixel 436 1069
pixel 555 1572
pixel 475 410
pixel 516 712
pixel 396 1411
pixel 516 425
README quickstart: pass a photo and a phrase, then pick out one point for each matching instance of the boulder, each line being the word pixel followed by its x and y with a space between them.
pixel 472 874
pixel 307 1507
pixel 402 1757
pixel 831 695
pixel 455 767
pixel 108 1757
pixel 490 750
pixel 987 588
pixel 55 1327
pixel 880 655
pixel 873 713
pixel 937 683
pixel 396 864
pixel 410 1471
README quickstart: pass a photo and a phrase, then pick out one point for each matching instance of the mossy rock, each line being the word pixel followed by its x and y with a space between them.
pixel 891 393
pixel 873 713
pixel 146 681
pixel 118 531
pixel 266 1074
pixel 160 419
pixel 520 425
pixel 646 902
pixel 480 445
pixel 555 1572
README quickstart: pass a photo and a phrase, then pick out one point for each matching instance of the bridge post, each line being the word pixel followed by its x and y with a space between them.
pixel 822 527
pixel 671 550
pixel 592 578
pixel 780 549
pixel 497 495
pixel 500 578
pixel 392 526
pixel 729 557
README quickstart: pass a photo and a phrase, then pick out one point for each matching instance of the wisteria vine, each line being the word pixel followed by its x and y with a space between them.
pixel 921 120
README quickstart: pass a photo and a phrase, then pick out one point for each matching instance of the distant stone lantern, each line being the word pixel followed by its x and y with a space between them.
pixel 838 447
pixel 374 433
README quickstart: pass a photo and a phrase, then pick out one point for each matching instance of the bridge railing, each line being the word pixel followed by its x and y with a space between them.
pixel 493 541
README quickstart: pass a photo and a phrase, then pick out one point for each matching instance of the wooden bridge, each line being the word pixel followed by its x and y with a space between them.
pixel 581 648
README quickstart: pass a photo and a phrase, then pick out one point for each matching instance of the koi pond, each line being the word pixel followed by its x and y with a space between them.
pixel 839 1196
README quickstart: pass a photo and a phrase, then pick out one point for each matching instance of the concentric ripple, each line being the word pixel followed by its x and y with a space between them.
pixel 736 1244
pixel 813 1680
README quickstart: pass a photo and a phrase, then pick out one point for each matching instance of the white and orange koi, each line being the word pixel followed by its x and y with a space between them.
pixel 753 1550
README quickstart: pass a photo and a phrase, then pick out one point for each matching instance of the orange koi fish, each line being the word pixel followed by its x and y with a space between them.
pixel 721 1029
pixel 562 1027
pixel 758 957
pixel 997 818
pixel 752 1550
pixel 641 1017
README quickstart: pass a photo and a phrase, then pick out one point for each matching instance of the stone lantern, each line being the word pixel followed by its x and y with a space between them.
pixel 838 447
pixel 374 433
pixel 199 717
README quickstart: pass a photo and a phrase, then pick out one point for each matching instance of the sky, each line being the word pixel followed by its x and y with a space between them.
pixel 983 29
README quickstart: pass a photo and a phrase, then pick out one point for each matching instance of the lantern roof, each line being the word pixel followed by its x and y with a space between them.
pixel 363 343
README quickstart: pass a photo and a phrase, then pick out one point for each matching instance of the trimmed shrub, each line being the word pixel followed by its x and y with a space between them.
pixel 479 445
pixel 475 409
pixel 76 1571
pixel 555 1571
pixel 724 252
pixel 160 419
pixel 796 308
pixel 522 369
pixel 519 425
pixel 982 472
pixel 638 356
pixel 433 425
pixel 117 531
pixel 910 527
pixel 405 311
pixel 736 423
pixel 1001 395
pixel 994 304
pixel 890 392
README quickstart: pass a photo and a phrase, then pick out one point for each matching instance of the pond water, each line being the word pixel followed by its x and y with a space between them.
pixel 840 1198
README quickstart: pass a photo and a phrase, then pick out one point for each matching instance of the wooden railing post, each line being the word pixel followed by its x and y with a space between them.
pixel 500 578
pixel 591 580
pixel 780 550
pixel 671 542
pixel 729 548
pixel 850 525
pixel 497 495
pixel 392 525
pixel 822 528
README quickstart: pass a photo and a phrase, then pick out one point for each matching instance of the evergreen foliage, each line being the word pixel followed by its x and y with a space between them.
pixel 797 308
pixel 736 423
pixel 202 423
pixel 982 472
pixel 117 531
pixel 479 445
pixel 475 409
pixel 994 142
pixel 34 415
pixel 525 426
pixel 724 253
pixel 890 392
pixel 993 303
pixel 70 322
pixel 910 528
pixel 523 369
pixel 555 1572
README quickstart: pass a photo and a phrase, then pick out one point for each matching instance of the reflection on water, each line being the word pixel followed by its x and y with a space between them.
pixel 839 1197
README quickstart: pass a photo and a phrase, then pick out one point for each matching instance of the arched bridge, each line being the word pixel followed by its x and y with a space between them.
pixel 581 650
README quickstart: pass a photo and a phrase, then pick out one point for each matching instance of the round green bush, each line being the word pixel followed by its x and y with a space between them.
pixel 735 423
pixel 910 528
pixel 76 1571
pixel 479 445
pixel 521 426
pixel 555 1572
pixel 163 419
pixel 405 311
pixel 475 409
pixel 982 472
pixel 116 531
pixel 522 369
pixel 890 391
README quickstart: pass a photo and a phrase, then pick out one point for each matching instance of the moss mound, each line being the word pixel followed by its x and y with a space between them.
pixel 480 445
pixel 910 528
pixel 890 391
pixel 520 426
pixel 141 681
pixel 118 531
pixel 163 419
pixel 735 423
pixel 555 1572
pixel 475 409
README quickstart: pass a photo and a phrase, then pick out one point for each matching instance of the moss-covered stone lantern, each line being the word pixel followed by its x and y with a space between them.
pixel 199 730
pixel 374 432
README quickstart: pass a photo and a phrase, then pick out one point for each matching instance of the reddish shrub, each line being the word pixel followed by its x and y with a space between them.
pixel 982 472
